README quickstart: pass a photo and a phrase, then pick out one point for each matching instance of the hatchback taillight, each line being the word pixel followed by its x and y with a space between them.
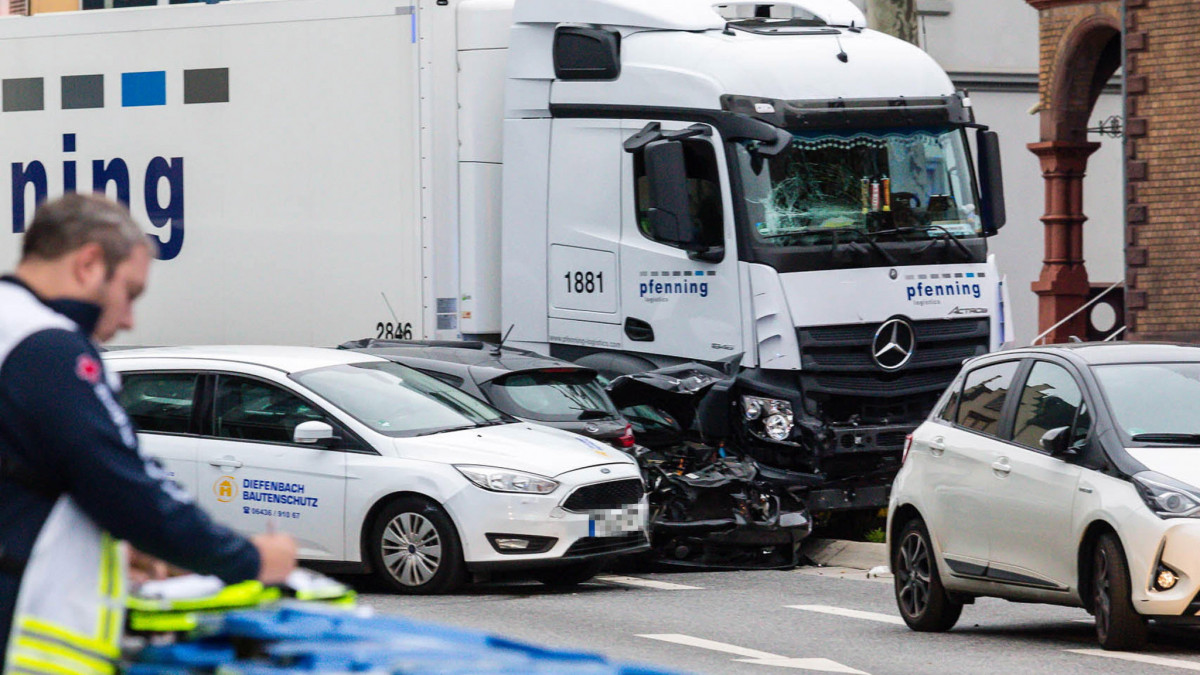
pixel 626 440
pixel 907 447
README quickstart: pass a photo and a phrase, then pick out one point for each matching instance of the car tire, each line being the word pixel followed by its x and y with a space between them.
pixel 1118 625
pixel 923 602
pixel 564 576
pixel 415 549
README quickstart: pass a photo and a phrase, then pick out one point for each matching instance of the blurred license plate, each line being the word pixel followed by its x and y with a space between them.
pixel 613 522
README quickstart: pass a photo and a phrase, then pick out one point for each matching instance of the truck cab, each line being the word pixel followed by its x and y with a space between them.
pixel 685 182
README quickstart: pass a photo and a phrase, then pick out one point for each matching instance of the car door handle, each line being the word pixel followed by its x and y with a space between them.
pixel 227 462
pixel 1001 466
pixel 937 446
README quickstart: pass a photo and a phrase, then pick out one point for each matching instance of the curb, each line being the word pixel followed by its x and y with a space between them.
pixel 859 555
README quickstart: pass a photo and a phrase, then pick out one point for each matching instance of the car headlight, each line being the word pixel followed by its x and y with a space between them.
pixel 1167 497
pixel 769 418
pixel 504 480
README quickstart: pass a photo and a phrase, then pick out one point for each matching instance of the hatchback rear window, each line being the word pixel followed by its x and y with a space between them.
pixel 552 396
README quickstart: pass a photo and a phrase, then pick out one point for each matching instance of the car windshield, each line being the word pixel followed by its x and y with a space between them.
pixel 915 180
pixel 1154 402
pixel 398 401
pixel 552 396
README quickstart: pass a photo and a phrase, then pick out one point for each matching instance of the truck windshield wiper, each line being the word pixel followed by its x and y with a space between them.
pixel 945 236
pixel 1183 439
pixel 836 245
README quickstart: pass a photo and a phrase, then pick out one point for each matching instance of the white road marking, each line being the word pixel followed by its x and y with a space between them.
pixel 755 656
pixel 647 583
pixel 843 573
pixel 852 613
pixel 1140 658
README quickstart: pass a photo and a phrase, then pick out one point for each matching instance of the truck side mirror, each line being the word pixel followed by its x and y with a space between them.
pixel 991 182
pixel 666 170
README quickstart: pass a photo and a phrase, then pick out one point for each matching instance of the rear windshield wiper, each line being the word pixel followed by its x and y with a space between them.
pixel 1183 439
pixel 593 414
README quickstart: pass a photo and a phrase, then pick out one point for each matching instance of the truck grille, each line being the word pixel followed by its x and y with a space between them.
pixel 837 369
pixel 611 495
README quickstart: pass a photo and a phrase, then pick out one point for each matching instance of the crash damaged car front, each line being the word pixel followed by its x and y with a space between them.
pixel 711 503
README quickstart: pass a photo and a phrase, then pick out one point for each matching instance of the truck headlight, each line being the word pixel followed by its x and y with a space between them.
pixel 1167 497
pixel 504 480
pixel 777 420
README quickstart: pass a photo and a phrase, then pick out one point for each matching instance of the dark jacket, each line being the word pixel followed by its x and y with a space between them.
pixel 61 426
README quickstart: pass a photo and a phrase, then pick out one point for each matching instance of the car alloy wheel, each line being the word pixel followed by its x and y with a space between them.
pixel 414 547
pixel 412 550
pixel 912 575
pixel 923 602
pixel 1118 625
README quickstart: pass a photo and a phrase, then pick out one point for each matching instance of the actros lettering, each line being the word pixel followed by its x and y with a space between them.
pixel 164 211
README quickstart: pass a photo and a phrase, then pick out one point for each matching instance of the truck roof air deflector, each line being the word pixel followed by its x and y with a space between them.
pixel 840 13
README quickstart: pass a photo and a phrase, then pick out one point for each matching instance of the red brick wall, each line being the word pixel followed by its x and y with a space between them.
pixel 1163 169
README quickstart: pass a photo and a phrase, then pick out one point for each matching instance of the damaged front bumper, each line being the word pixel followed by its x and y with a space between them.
pixel 716 512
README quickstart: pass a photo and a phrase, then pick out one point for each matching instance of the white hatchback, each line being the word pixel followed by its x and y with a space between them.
pixel 377 466
pixel 1066 474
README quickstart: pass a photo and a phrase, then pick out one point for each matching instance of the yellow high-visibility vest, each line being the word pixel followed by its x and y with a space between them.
pixel 71 605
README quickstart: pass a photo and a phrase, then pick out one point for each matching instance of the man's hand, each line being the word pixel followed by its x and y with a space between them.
pixel 277 553
pixel 143 567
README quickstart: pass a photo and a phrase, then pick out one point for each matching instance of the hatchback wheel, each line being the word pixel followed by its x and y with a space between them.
pixel 1118 625
pixel 922 600
pixel 415 548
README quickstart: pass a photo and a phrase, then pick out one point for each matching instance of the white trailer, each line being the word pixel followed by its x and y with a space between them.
pixel 624 183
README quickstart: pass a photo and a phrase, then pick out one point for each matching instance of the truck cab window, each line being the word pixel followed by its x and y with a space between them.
pixel 704 192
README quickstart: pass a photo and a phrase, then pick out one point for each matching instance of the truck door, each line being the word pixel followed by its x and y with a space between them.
pixel 680 290
pixel 584 231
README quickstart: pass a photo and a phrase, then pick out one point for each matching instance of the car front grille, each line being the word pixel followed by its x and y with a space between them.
pixel 611 495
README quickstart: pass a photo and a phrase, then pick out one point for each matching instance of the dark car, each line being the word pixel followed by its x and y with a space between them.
pixel 522 383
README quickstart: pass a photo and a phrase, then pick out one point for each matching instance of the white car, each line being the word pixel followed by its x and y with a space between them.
pixel 1066 474
pixel 368 462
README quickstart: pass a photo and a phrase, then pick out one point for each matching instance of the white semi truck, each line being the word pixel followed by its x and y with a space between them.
pixel 625 183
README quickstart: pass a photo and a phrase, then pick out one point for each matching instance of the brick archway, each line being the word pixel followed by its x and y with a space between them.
pixel 1081 49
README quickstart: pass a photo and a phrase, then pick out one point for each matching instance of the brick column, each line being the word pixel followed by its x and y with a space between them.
pixel 1063 285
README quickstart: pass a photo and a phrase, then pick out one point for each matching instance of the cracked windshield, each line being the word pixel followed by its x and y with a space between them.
pixel 911 180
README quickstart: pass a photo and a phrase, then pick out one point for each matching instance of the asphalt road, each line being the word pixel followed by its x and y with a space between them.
pixel 809 619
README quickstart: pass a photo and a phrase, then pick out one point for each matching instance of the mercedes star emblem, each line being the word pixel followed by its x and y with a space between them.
pixel 894 344
pixel 592 428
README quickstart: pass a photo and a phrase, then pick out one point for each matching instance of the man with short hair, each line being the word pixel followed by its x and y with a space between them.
pixel 72 480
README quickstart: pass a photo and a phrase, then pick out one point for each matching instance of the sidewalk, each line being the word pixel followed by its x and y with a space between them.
pixel 839 557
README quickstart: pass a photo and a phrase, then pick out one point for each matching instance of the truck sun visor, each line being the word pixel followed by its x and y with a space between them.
pixel 856 113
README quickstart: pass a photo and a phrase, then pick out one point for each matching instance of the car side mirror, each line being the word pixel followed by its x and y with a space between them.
pixel 1057 442
pixel 313 433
